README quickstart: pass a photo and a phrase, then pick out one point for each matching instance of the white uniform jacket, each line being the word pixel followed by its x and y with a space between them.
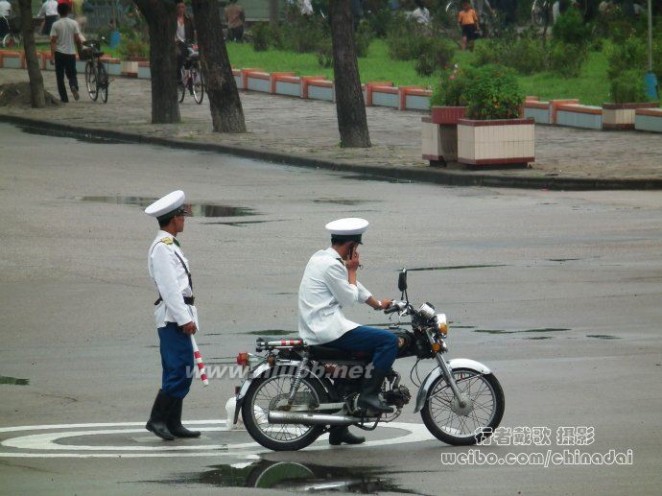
pixel 323 293
pixel 171 281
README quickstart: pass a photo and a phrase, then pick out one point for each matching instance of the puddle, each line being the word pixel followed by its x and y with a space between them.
pixel 537 338
pixel 454 267
pixel 14 381
pixel 337 201
pixel 376 177
pixel 561 260
pixel 601 336
pixel 503 331
pixel 236 224
pixel 87 138
pixel 272 332
pixel 197 209
pixel 297 477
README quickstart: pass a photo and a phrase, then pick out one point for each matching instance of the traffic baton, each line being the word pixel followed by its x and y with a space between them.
pixel 198 361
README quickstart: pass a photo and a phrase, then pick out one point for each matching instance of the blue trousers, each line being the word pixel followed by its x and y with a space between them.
pixel 176 360
pixel 382 344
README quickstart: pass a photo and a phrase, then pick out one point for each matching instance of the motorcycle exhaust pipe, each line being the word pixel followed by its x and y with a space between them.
pixel 313 418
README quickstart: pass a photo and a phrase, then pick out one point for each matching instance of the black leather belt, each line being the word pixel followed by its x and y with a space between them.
pixel 189 300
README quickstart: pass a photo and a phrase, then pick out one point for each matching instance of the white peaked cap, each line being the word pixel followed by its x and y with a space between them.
pixel 346 227
pixel 168 204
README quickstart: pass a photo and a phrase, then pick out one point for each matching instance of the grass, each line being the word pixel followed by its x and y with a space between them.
pixel 591 87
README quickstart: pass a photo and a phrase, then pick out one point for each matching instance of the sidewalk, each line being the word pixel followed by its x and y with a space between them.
pixel 305 133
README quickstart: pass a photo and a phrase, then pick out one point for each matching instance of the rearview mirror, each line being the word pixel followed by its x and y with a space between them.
pixel 402 280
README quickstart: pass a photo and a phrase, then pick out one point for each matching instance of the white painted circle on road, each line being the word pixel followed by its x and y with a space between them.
pixel 49 444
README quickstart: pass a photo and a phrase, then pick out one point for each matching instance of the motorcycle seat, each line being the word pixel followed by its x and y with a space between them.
pixel 329 353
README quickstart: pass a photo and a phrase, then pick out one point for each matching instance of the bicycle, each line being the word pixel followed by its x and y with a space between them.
pixel 96 76
pixel 11 29
pixel 191 76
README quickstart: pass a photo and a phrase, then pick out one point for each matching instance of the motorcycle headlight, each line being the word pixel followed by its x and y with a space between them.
pixel 442 324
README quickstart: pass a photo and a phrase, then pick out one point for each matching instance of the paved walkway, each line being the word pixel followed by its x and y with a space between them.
pixel 304 132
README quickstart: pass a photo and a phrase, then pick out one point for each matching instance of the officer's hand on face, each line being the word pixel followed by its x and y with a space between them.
pixel 189 328
pixel 352 262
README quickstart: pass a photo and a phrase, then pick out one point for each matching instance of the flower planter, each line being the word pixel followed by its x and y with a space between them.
pixel 447 115
pixel 496 142
pixel 439 142
pixel 621 115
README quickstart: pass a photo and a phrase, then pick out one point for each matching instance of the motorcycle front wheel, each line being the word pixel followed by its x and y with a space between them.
pixel 271 393
pixel 464 424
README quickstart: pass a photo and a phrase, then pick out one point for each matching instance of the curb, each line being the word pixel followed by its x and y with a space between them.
pixel 407 174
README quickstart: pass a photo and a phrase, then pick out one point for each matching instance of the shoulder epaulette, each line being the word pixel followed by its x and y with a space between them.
pixel 166 241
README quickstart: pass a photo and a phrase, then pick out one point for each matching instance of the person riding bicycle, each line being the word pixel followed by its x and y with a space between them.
pixel 329 285
pixel 184 37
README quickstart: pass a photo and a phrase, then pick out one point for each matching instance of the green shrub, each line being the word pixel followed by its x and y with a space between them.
pixel 526 55
pixel 628 87
pixel 403 39
pixel 632 53
pixel 261 34
pixel 488 51
pixel 452 87
pixel 494 93
pixel 362 39
pixel 571 29
pixel 566 59
pixel 434 54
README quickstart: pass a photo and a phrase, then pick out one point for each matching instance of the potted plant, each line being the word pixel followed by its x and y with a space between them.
pixel 132 50
pixel 493 132
pixel 627 63
pixel 447 107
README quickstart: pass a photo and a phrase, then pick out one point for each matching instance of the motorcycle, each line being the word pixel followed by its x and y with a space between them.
pixel 294 392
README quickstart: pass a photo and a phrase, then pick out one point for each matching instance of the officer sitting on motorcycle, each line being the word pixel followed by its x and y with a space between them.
pixel 328 285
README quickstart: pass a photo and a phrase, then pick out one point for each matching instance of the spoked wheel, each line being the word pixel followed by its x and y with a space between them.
pixel 198 85
pixel 271 393
pixel 468 421
pixel 103 83
pixel 181 87
pixel 91 81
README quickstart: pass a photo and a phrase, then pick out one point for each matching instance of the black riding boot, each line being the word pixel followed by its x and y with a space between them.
pixel 369 398
pixel 175 421
pixel 157 420
pixel 339 434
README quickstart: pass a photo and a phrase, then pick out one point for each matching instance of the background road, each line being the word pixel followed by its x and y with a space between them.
pixel 558 292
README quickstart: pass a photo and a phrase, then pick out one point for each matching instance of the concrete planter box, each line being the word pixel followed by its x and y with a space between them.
pixel 648 120
pixel 621 115
pixel 144 71
pixel 129 68
pixel 438 142
pixel 540 112
pixel 496 142
pixel 576 115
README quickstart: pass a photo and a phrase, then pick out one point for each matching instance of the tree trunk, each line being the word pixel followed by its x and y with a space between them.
pixel 350 105
pixel 34 73
pixel 227 114
pixel 162 21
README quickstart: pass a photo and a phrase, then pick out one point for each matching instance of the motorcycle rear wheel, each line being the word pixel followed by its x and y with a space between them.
pixel 471 424
pixel 268 392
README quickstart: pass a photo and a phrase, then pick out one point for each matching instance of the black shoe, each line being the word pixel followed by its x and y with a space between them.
pixel 369 399
pixel 340 434
pixel 157 420
pixel 175 421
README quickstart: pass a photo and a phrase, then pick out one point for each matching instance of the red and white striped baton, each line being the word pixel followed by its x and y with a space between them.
pixel 198 361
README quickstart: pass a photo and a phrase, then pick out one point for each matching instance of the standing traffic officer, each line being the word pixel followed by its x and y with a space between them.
pixel 176 316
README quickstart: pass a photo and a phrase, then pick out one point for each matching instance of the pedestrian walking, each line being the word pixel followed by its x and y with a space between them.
pixel 65 39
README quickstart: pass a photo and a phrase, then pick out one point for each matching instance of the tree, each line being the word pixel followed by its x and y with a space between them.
pixel 161 19
pixel 34 73
pixel 350 105
pixel 227 114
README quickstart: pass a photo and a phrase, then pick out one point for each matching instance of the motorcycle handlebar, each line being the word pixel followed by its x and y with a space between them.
pixel 396 306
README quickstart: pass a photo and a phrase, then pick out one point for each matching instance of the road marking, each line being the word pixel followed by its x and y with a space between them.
pixel 50 444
